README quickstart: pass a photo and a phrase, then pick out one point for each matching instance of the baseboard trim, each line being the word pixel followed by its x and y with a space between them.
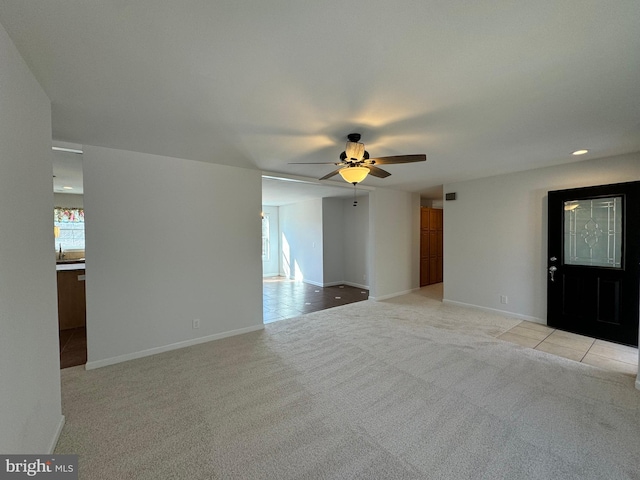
pixel 528 318
pixel 392 295
pixel 166 348
pixel 56 435
pixel 310 282
pixel 357 285
pixel 332 284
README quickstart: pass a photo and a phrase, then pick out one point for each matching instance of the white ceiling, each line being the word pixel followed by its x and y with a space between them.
pixel 481 87
pixel 284 190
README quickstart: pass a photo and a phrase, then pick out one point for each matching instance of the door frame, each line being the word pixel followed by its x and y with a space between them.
pixel 586 321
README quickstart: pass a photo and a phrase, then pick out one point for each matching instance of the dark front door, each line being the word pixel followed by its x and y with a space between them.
pixel 593 277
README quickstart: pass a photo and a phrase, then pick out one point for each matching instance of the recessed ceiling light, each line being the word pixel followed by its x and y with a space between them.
pixel 580 152
pixel 67 188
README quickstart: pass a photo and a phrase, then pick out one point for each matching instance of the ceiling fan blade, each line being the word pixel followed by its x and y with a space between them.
pixel 329 175
pixel 398 159
pixel 314 163
pixel 377 172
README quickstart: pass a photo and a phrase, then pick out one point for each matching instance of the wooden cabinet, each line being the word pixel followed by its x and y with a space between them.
pixel 431 223
pixel 71 299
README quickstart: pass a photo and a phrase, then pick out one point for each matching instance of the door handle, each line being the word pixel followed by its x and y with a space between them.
pixel 552 270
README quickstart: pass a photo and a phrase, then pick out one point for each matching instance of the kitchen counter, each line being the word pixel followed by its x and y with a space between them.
pixel 61 267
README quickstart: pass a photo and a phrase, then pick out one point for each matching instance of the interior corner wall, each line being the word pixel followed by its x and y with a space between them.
pixel 30 406
pixel 394 226
pixel 356 242
pixel 332 241
pixel 164 248
pixel 301 240
pixel 495 233
pixel 271 266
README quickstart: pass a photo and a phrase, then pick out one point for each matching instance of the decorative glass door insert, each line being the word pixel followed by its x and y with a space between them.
pixel 593 232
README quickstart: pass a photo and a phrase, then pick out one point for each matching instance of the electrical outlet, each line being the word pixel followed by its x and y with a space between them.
pixel 504 299
pixel 196 323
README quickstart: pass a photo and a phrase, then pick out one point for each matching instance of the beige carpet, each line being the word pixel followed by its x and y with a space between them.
pixel 403 389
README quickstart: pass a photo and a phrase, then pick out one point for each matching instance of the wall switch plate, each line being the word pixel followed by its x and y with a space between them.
pixel 504 299
pixel 196 323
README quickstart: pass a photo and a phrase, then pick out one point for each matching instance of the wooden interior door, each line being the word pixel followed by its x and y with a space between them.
pixel 431 223
pixel 435 247
pixel 424 246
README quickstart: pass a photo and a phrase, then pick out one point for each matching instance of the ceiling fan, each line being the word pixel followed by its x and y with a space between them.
pixel 355 163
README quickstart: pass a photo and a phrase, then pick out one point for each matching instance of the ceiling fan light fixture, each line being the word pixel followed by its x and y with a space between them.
pixel 354 174
pixel 355 163
pixel 354 151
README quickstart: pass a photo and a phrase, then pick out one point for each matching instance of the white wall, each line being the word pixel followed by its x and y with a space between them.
pixel 394 227
pixel 328 240
pixel 495 233
pixel 333 229
pixel 356 242
pixel 30 411
pixel 301 240
pixel 431 203
pixel 271 267
pixel 168 241
pixel 68 200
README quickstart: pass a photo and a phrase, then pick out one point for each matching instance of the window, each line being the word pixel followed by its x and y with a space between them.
pixel 265 237
pixel 70 223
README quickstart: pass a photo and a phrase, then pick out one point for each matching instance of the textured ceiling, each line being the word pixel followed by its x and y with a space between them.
pixel 481 87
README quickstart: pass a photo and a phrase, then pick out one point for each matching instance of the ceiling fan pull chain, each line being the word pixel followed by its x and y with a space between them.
pixel 355 202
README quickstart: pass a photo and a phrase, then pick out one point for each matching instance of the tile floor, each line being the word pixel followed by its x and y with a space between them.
pixel 599 353
pixel 284 298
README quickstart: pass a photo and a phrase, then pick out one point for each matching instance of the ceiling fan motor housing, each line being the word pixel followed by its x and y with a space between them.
pixel 356 150
pixel 343 157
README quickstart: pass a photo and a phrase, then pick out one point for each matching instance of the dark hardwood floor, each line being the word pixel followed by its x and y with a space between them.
pixel 73 347
pixel 283 298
